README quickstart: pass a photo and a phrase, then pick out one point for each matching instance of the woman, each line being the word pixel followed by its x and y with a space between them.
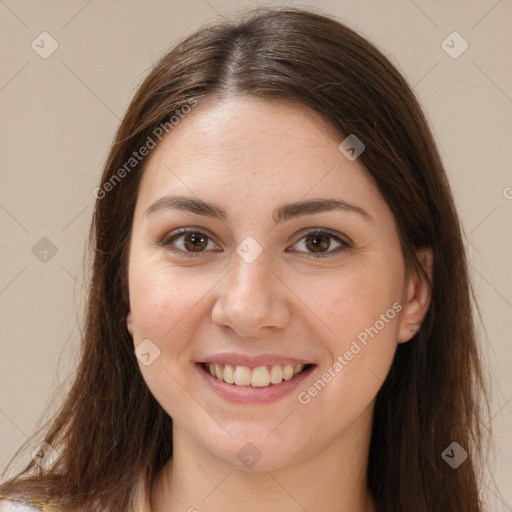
pixel 280 312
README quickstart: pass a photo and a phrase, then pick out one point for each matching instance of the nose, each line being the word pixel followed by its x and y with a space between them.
pixel 252 299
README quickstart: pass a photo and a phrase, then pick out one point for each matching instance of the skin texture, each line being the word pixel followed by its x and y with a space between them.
pixel 249 156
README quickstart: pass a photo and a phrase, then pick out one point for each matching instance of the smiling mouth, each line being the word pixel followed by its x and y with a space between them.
pixel 259 377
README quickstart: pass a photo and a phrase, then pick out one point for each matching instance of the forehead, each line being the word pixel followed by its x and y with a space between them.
pixel 249 149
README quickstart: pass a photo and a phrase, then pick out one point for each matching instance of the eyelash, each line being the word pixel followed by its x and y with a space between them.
pixel 167 242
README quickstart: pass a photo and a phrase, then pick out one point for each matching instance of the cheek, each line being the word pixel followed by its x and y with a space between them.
pixel 163 299
pixel 353 299
pixel 361 343
pixel 359 312
pixel 361 308
pixel 163 303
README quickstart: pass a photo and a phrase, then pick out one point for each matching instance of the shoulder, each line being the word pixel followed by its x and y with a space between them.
pixel 19 506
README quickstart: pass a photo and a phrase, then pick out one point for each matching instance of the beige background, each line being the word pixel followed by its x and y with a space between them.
pixel 59 115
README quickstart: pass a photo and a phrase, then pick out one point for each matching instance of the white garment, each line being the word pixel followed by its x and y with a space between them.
pixel 16 506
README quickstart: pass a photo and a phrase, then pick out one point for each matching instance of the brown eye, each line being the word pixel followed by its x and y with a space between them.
pixel 195 242
pixel 318 243
pixel 189 243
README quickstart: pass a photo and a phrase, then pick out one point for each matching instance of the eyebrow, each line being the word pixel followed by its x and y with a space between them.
pixel 280 214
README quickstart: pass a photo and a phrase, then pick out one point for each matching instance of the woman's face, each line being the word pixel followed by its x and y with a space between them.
pixel 239 256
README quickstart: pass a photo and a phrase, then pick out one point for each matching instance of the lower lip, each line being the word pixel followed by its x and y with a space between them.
pixel 248 394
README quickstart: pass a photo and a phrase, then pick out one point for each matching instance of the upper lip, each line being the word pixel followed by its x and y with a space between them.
pixel 252 361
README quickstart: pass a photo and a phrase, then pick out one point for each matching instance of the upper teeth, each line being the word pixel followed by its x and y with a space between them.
pixel 258 377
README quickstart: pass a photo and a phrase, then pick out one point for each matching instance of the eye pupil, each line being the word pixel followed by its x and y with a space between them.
pixel 319 242
pixel 195 242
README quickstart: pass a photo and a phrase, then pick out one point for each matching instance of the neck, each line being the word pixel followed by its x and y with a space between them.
pixel 334 480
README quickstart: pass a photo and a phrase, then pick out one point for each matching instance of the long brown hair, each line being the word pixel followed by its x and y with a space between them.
pixel 111 434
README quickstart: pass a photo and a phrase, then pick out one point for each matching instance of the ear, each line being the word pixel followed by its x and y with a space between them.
pixel 129 322
pixel 417 297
